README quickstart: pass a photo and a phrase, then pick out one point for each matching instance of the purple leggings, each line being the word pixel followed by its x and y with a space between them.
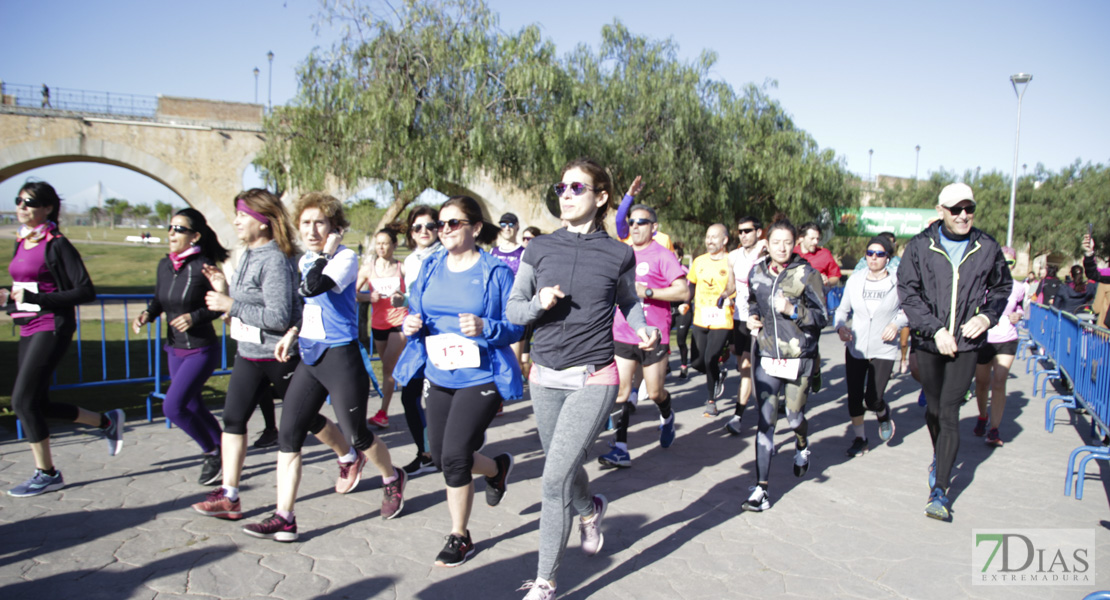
pixel 182 405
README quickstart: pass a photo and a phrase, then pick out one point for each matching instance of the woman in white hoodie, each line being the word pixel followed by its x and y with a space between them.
pixel 871 303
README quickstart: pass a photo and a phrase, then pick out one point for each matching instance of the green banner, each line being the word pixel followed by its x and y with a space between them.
pixel 868 221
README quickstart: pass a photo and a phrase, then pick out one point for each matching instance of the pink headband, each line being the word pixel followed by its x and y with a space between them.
pixel 241 206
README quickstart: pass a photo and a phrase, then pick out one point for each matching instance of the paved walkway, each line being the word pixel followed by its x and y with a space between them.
pixel 122 528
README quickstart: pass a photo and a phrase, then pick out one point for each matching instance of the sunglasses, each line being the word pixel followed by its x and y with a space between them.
pixel 745 231
pixel 28 202
pixel 528 238
pixel 430 227
pixel 179 229
pixel 876 253
pixel 575 188
pixel 1010 262
pixel 955 211
pixel 452 224
pixel 506 224
pixel 640 221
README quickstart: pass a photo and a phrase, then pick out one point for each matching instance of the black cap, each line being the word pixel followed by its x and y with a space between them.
pixel 509 218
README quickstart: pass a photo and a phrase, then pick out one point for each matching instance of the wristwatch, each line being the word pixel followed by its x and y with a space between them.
pixel 648 293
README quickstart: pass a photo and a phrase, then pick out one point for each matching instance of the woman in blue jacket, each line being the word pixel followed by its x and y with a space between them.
pixel 459 333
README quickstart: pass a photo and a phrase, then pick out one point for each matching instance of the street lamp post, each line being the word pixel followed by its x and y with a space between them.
pixel 916 159
pixel 270 82
pixel 256 85
pixel 869 153
pixel 1020 79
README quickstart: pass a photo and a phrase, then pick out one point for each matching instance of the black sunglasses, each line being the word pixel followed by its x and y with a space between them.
pixel 424 226
pixel 640 221
pixel 576 188
pixel 179 229
pixel 955 211
pixel 744 231
pixel 876 253
pixel 452 223
pixel 28 202
pixel 1010 262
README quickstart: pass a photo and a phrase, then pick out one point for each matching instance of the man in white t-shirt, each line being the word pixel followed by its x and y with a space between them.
pixel 749 231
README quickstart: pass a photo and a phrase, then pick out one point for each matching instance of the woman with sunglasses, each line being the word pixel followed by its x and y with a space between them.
pixel 459 337
pixel 992 367
pixel 567 285
pixel 48 281
pixel 261 304
pixel 192 348
pixel 786 308
pixel 382 276
pixel 871 341
pixel 331 366
pixel 423 240
pixel 530 233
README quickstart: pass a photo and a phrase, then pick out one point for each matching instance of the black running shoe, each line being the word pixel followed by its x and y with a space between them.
pixel 497 485
pixel 268 438
pixel 211 470
pixel 458 549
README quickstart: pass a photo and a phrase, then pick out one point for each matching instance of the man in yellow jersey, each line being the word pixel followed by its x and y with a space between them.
pixel 710 274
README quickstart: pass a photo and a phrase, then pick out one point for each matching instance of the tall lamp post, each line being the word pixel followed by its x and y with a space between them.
pixel 256 85
pixel 916 159
pixel 869 153
pixel 1020 79
pixel 270 82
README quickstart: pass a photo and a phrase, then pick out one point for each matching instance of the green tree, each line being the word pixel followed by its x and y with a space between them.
pixel 116 209
pixel 164 211
pixel 96 214
pixel 141 213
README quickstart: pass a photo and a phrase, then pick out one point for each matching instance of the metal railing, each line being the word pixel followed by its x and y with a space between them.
pixel 84 101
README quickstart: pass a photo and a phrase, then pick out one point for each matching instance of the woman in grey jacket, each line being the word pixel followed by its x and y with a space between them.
pixel 871 303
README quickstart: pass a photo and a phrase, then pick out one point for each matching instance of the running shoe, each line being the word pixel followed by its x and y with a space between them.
pixel 886 430
pixel 590 531
pixel 758 501
pixel 719 387
pixel 993 439
pixel 666 431
pixel 267 439
pixel 921 399
pixel 937 508
pixel 393 495
pixel 710 409
pixel 211 469
pixel 980 426
pixel 683 372
pixel 379 420
pixel 733 425
pixel 933 473
pixel 458 549
pixel 801 461
pixel 113 433
pixel 350 473
pixel 815 382
pixel 615 458
pixel 538 590
pixel 275 528
pixel 859 447
pixel 217 504
pixel 420 465
pixel 39 483
pixel 966 398
pixel 497 485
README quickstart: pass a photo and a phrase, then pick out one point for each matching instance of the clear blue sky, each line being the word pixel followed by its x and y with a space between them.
pixel 856 75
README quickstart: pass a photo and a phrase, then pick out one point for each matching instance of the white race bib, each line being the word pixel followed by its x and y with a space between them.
pixel 386 286
pixel 783 368
pixel 450 351
pixel 27 286
pixel 715 317
pixel 241 332
pixel 312 324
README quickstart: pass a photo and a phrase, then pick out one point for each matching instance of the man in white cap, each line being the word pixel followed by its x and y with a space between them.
pixel 953 283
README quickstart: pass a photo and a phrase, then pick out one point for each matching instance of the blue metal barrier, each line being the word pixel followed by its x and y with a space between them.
pixel 1069 338
pixel 1050 342
pixel 151 344
pixel 1040 331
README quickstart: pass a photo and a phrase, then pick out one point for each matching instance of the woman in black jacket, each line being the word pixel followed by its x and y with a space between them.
pixel 192 350
pixel 48 280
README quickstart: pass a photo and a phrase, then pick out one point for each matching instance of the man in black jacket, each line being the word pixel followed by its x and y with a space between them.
pixel 953 282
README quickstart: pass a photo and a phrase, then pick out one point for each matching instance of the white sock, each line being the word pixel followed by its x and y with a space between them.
pixel 231 492
pixel 634 397
pixel 623 447
pixel 349 457
pixel 861 432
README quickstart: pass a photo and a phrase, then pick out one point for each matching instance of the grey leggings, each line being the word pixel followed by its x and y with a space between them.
pixel 568 422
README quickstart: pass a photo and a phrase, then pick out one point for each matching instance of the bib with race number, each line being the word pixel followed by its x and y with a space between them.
pixel 450 351
pixel 716 317
pixel 312 324
pixel 26 286
pixel 386 286
pixel 782 368
pixel 241 332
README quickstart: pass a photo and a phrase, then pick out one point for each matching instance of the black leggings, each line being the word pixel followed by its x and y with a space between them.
pixel 39 355
pixel 255 383
pixel 708 345
pixel 945 381
pixel 682 323
pixel 414 412
pixel 340 373
pixel 866 381
pixel 457 419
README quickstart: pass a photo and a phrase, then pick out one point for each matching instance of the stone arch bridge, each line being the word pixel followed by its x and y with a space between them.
pixel 200 149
